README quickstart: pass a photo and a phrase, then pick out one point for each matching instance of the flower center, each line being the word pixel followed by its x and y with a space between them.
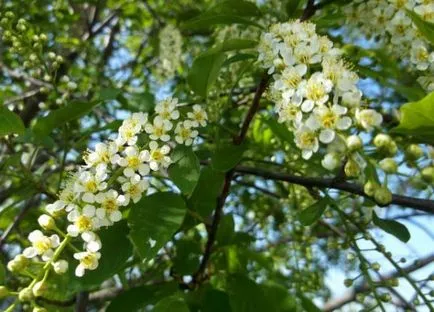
pixel 133 162
pixel 157 155
pixel 91 186
pixel 328 120
pixel 110 205
pixel 88 261
pixel 42 245
pixel 83 223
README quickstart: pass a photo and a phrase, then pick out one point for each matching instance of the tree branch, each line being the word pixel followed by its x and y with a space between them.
pixel 404 201
pixel 364 287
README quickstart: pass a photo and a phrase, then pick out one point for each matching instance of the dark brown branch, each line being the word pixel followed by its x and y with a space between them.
pixel 82 300
pixel 404 201
pixel 199 276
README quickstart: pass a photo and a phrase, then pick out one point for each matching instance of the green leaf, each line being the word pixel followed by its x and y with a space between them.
pixel 203 199
pixel 61 116
pixel 426 28
pixel 226 230
pixel 204 72
pixel 245 295
pixel 240 7
pixel 171 304
pixel 154 220
pixel 417 119
pixel 392 227
pixel 188 253
pixel 279 297
pixel 185 169
pixel 135 299
pixel 291 7
pixel 312 213
pixel 232 45
pixel 227 156
pixel 116 250
pixel 108 94
pixel 208 20
pixel 216 301
pixel 308 305
pixel 10 122
pixel 280 130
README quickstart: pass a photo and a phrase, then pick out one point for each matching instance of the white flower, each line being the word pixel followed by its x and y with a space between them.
pixel 329 119
pixel 92 242
pixel 316 91
pixel 184 133
pixel 198 116
pixel 420 56
pixel 289 111
pixel 290 78
pixel 88 261
pixel 306 139
pixel 41 245
pixel 104 153
pixel 158 129
pixel 308 53
pixel 60 266
pixel 157 156
pixel 331 161
pixel 89 183
pixel 134 161
pixel 368 118
pixel 83 221
pixel 134 188
pixel 110 202
pixel 167 109
pixel 127 133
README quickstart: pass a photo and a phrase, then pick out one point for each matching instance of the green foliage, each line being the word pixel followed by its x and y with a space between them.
pixel 204 72
pixel 392 227
pixel 417 119
pixel 10 122
pixel 185 170
pixel 227 156
pixel 312 213
pixel 154 220
pixel 171 304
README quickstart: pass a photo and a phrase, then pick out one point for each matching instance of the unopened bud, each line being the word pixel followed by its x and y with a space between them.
pixel 60 266
pixel 352 169
pixel 39 309
pixel 428 174
pixel 376 266
pixel 414 152
pixel 4 292
pixel 39 288
pixel 354 142
pixel 389 165
pixel 370 187
pixel 51 55
pixel 385 297
pixel 46 222
pixel 17 264
pixel 42 37
pixel 330 161
pixel 25 294
pixel 348 282
pixel 383 196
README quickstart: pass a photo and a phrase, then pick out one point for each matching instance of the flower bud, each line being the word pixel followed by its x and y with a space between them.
pixel 389 165
pixel 348 282
pixel 385 297
pixel 51 55
pixel 39 309
pixel 354 143
pixel 59 59
pixel 60 266
pixel 352 169
pixel 370 187
pixel 376 266
pixel 46 222
pixel 9 14
pixel 331 161
pixel 428 174
pixel 413 152
pixel 25 294
pixel 39 288
pixel 17 264
pixel 383 196
pixel 71 85
pixel 43 37
pixel 4 292
pixel 394 282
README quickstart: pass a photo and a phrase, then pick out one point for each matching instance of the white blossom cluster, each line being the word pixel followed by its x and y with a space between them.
pixel 315 92
pixel 170 52
pixel 114 175
pixel 389 23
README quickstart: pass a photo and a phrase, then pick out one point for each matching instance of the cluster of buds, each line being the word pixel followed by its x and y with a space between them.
pixel 170 52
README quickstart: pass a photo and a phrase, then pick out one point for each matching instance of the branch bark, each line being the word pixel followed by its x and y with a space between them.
pixel 425 205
